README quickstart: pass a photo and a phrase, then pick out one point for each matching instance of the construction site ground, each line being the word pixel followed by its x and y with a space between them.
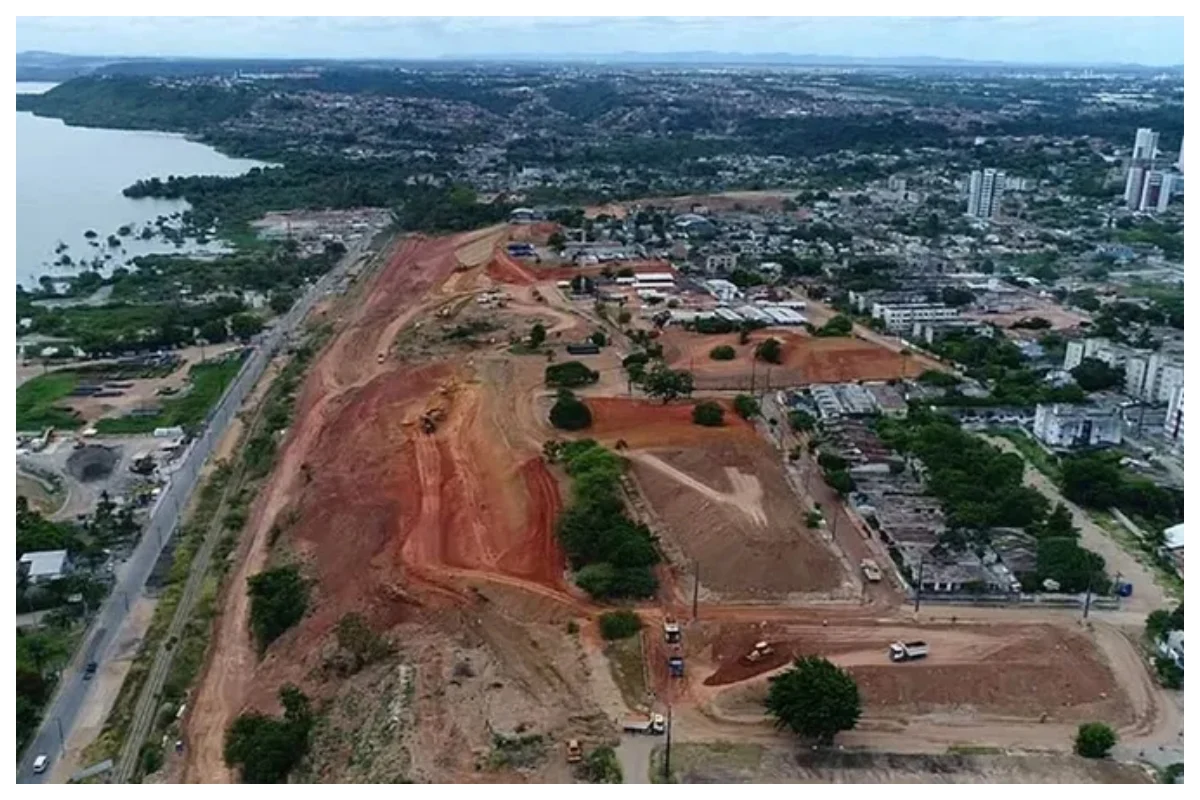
pixel 412 490
pixel 805 360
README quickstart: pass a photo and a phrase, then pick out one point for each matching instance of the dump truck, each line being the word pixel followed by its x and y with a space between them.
pixel 654 725
pixel 574 752
pixel 671 631
pixel 871 570
pixel 675 665
pixel 908 651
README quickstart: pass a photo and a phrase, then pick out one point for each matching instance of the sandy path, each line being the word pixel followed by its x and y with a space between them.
pixel 746 496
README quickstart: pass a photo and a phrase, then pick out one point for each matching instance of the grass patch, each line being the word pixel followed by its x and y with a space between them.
pixel 627 664
pixel 523 751
pixel 208 380
pixel 36 400
pixel 1032 452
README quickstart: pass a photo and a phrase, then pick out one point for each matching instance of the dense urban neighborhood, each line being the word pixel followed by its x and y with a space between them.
pixel 828 420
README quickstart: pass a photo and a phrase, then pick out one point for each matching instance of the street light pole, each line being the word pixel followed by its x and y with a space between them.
pixel 667 759
pixel 1087 600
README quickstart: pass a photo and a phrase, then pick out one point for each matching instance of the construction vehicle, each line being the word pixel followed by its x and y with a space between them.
pixel 871 570
pixel 654 725
pixel 760 651
pixel 671 631
pixel 908 651
pixel 675 664
pixel 574 752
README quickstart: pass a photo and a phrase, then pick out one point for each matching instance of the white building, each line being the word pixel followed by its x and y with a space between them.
pixel 1135 183
pixel 1156 191
pixel 44 566
pixel 1097 348
pixel 1061 425
pixel 902 316
pixel 1145 145
pixel 1173 429
pixel 983 193
pixel 1153 377
pixel 723 290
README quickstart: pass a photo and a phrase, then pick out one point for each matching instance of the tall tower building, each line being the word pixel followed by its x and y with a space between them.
pixel 984 190
pixel 1145 145
pixel 1156 191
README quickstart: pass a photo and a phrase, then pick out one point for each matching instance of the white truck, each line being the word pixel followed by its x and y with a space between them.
pixel 671 630
pixel 871 570
pixel 654 725
pixel 908 651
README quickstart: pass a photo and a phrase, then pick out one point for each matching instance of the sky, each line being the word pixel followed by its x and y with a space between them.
pixel 1153 41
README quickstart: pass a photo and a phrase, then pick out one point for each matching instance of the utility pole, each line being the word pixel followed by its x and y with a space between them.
pixel 667 759
pixel 920 580
pixel 1087 599
pixel 62 741
pixel 696 594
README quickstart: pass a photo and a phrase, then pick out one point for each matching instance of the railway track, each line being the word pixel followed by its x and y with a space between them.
pixel 147 703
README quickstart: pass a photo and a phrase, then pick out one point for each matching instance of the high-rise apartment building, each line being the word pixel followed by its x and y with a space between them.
pixel 984 190
pixel 1141 166
pixel 1156 191
pixel 1145 145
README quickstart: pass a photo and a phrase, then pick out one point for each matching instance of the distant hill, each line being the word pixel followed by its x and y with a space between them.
pixel 45 66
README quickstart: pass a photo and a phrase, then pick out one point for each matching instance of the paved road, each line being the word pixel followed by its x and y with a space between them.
pixel 164 520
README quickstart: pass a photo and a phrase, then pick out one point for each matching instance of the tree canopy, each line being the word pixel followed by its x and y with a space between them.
pixel 814 699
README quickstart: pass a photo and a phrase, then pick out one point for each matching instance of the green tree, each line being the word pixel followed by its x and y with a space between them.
pixel 537 334
pixel 840 325
pixel 1094 740
pixel 801 420
pixel 814 699
pixel 769 350
pixel 557 241
pixel 364 645
pixel 214 331
pixel 267 749
pixel 596 579
pixel 599 339
pixel 722 352
pixel 709 414
pixel 245 325
pixel 619 624
pixel 666 384
pixel 570 374
pixel 281 301
pixel 1093 375
pixel 278 600
pixel 746 406
pixel 569 413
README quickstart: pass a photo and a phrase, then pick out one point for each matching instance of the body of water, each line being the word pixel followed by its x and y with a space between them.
pixel 69 180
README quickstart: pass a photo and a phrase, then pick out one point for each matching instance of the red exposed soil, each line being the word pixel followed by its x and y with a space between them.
pixel 806 359
pixel 644 424
pixel 506 269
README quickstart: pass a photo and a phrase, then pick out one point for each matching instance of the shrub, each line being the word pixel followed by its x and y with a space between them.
pixel 601 766
pixel 278 600
pixel 801 420
pixel 813 519
pixel 1170 674
pixel 599 339
pixel 570 374
pixel 537 334
pixel 722 352
pixel 769 350
pixel 624 317
pixel 709 414
pixel 267 748
pixel 746 406
pixel 619 624
pixel 569 412
pixel 1094 740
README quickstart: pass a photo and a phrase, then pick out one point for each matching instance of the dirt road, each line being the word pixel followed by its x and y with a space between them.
pixel 1148 595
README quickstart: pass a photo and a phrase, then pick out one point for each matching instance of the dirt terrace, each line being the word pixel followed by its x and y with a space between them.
pixel 806 359
pixel 728 508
